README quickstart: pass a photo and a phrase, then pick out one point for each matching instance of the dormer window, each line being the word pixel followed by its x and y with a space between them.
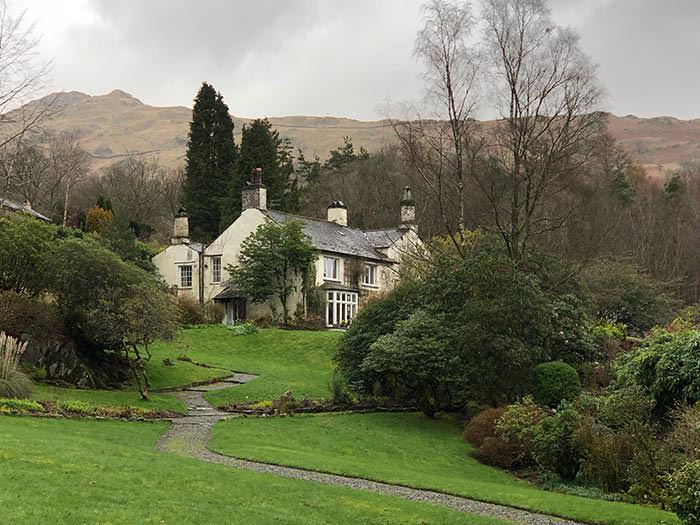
pixel 330 268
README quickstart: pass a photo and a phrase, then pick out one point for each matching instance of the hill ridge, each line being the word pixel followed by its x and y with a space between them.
pixel 116 124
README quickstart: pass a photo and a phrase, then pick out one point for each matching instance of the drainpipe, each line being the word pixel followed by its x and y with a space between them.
pixel 201 275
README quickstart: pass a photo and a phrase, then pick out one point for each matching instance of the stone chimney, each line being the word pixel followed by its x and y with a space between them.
pixel 254 194
pixel 408 209
pixel 338 213
pixel 181 228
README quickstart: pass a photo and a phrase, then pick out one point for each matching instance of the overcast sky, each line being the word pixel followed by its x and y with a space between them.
pixel 338 57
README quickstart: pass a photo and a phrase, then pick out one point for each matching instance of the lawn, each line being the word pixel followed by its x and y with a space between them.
pixel 407 449
pixel 119 398
pixel 107 472
pixel 300 361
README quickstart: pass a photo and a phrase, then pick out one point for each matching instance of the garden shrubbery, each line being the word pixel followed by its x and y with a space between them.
pixel 486 322
pixel 684 493
pixel 191 313
pixel 482 426
pixel 100 303
pixel 555 382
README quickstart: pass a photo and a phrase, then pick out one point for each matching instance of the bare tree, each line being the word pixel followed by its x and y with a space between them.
pixel 440 144
pixel 546 92
pixel 21 76
pixel 144 194
pixel 69 164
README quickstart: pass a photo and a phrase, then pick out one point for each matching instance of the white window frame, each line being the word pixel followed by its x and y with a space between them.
pixel 341 308
pixel 216 269
pixel 182 276
pixel 369 275
pixel 336 268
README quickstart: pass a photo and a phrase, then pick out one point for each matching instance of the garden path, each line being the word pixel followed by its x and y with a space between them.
pixel 189 436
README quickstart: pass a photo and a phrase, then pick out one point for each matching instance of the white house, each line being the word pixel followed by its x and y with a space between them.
pixel 7 207
pixel 352 263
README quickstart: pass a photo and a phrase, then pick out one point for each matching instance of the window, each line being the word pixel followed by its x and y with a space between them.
pixel 330 268
pixel 369 277
pixel 341 308
pixel 186 276
pixel 216 269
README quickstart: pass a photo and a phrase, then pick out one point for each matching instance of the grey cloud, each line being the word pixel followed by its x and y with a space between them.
pixel 344 58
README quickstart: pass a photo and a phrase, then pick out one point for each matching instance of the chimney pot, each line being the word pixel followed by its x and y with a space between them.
pixel 254 194
pixel 181 228
pixel 408 209
pixel 338 213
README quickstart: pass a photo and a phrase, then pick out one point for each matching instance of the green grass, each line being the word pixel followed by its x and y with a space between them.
pixel 300 361
pixel 117 398
pixel 407 449
pixel 107 472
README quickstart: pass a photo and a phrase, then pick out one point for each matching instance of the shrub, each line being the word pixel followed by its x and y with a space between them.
pixel 76 407
pixel 606 456
pixel 377 318
pixel 494 451
pixel 683 496
pixel 610 339
pixel 13 381
pixel 246 328
pixel 482 426
pixel 19 406
pixel 26 318
pixel 16 385
pixel 571 334
pixel 623 293
pixel 417 363
pixel 555 445
pixel 189 311
pixel 594 376
pixel 555 382
pixel 526 435
pixel 212 313
pixel 684 436
pixel 666 367
pixel 517 429
pixel 340 392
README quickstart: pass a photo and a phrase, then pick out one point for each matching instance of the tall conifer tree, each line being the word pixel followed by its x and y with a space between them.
pixel 262 147
pixel 210 162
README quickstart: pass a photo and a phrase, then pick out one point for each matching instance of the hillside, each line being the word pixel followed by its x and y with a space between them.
pixel 117 124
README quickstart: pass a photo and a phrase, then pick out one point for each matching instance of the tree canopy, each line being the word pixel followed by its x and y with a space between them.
pixel 273 261
pixel 210 162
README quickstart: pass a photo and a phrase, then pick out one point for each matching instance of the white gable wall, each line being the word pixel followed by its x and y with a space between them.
pixel 168 263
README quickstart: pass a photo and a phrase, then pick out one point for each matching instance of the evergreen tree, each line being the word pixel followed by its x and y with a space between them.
pixel 209 164
pixel 343 155
pixel 262 147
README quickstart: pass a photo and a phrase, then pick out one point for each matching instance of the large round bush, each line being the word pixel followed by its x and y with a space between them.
pixel 555 382
pixel 684 493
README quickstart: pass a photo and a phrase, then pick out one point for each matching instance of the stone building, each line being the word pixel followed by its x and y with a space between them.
pixel 352 264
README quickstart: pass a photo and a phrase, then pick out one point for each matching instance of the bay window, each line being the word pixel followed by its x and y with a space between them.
pixel 341 308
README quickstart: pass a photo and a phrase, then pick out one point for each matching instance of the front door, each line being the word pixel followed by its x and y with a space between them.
pixel 235 310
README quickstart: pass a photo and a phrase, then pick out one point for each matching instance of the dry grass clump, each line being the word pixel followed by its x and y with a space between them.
pixel 13 382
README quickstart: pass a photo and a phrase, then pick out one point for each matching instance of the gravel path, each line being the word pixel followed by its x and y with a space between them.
pixel 189 436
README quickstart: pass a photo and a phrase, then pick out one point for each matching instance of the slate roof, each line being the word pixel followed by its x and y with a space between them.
pixel 197 246
pixel 331 237
pixel 11 205
pixel 384 238
pixel 230 292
